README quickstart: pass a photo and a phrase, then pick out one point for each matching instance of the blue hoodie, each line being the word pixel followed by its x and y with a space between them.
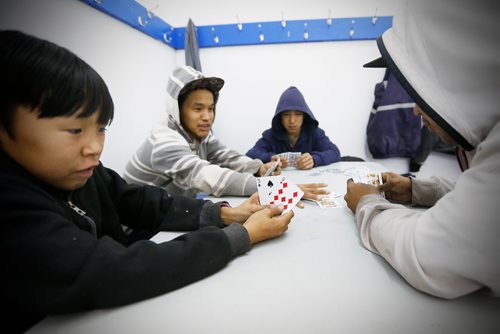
pixel 312 139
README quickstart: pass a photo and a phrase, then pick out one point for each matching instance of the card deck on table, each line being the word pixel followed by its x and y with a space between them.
pixel 278 190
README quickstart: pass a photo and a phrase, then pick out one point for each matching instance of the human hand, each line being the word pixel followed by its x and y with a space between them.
pixel 357 190
pixel 284 161
pixel 305 161
pixel 267 223
pixel 313 191
pixel 241 213
pixel 264 168
pixel 397 188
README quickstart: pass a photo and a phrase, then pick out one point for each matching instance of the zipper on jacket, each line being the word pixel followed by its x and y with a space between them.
pixel 92 224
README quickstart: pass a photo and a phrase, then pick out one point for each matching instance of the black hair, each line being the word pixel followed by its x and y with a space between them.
pixel 39 74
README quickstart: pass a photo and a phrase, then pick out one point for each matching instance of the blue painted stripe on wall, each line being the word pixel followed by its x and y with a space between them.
pixel 295 31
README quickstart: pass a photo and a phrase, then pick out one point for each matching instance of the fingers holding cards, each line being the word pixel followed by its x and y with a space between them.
pixel 278 190
pixel 371 178
pixel 290 157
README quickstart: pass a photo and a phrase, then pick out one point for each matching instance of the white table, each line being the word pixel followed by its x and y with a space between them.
pixel 317 278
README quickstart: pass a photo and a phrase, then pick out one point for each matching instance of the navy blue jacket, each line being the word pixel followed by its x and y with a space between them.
pixel 393 129
pixel 312 140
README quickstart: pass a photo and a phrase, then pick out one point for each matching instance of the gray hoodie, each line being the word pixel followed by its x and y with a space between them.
pixel 171 159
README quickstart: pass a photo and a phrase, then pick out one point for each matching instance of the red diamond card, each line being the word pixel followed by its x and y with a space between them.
pixel 278 190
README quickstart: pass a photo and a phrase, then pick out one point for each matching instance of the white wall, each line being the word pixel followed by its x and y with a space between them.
pixel 135 67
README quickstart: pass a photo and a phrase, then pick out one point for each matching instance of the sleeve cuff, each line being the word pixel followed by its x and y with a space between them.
pixel 210 214
pixel 238 239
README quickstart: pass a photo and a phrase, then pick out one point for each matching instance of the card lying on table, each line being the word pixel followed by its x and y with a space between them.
pixel 328 201
pixel 278 190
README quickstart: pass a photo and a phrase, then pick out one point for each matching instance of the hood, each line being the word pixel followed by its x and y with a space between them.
pixel 446 54
pixel 292 99
pixel 183 79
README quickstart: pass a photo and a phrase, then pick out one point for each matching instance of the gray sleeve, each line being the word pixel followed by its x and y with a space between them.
pixel 236 233
pixel 238 239
pixel 210 215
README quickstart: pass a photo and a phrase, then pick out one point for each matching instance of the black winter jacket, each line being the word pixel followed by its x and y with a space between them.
pixel 58 260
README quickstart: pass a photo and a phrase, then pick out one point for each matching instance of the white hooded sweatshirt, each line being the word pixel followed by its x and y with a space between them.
pixel 171 159
pixel 447 55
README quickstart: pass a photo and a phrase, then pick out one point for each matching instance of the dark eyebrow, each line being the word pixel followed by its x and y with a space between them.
pixel 199 104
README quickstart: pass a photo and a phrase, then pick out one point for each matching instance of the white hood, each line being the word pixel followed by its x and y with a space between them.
pixel 447 56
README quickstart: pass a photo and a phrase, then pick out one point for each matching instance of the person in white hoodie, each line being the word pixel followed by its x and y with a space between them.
pixel 446 54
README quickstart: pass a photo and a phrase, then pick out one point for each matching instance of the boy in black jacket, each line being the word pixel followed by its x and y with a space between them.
pixel 63 246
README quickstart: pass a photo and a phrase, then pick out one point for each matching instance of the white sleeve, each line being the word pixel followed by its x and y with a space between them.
pixel 452 248
pixel 427 192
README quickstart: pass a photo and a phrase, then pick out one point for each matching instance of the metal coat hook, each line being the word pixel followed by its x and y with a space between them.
pixel 167 37
pixel 329 19
pixel 283 22
pixel 216 38
pixel 142 22
pixel 351 32
pixel 375 18
pixel 261 35
pixel 306 34
pixel 150 13
pixel 239 25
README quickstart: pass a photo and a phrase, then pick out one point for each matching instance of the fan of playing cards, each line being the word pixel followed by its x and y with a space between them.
pixel 278 190
pixel 368 177
pixel 291 157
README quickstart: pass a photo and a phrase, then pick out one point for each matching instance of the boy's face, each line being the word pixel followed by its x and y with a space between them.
pixel 433 127
pixel 292 121
pixel 61 151
pixel 197 114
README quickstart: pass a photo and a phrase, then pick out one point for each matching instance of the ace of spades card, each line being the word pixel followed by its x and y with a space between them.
pixel 278 190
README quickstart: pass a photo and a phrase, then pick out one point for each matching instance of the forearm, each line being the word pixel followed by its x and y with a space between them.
pixel 427 192
pixel 410 240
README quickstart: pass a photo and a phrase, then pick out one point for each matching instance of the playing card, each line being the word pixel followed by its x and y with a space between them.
pixel 273 167
pixel 373 178
pixel 291 157
pixel 328 201
pixel 278 190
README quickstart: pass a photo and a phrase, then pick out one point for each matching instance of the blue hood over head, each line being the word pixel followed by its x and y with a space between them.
pixel 292 99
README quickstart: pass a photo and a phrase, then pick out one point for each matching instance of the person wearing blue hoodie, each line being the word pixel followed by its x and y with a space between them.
pixel 295 129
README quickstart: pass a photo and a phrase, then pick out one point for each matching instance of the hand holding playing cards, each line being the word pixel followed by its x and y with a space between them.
pixel 397 188
pixel 357 190
pixel 284 161
pixel 267 223
pixel 305 161
pixel 313 191
pixel 274 165
pixel 241 213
